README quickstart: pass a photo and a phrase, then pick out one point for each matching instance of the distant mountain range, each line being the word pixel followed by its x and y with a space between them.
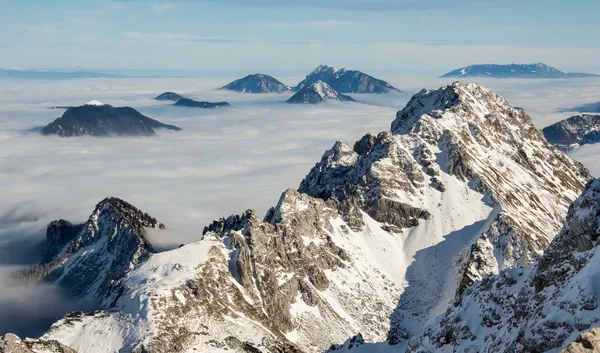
pixel 573 132
pixel 257 83
pixel 513 71
pixel 318 92
pixel 12 73
pixel 98 119
pixel 586 108
pixel 346 81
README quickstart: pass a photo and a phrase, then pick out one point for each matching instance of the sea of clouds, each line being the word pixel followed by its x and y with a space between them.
pixel 223 161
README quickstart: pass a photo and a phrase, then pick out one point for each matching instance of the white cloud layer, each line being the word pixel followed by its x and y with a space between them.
pixel 223 162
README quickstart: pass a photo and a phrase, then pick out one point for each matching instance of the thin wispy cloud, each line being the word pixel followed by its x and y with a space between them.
pixel 160 8
pixel 180 37
pixel 41 30
pixel 346 5
pixel 306 24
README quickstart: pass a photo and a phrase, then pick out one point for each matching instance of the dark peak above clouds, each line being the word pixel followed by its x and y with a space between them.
pixel 88 260
pixel 346 81
pixel 573 132
pixel 169 96
pixel 318 92
pixel 538 70
pixel 257 83
pixel 98 119
pixel 185 102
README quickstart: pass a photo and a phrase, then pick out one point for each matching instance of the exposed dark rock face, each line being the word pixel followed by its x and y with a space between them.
pixel 577 130
pixel 346 81
pixel 257 83
pixel 513 71
pixel 195 104
pixel 318 92
pixel 88 260
pixel 58 234
pixel 104 120
pixel 169 96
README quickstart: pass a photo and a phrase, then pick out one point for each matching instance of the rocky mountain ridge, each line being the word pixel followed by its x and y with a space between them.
pixel 346 81
pixel 399 225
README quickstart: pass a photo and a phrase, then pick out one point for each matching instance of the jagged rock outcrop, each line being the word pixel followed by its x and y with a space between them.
pixel 537 308
pixel 169 96
pixel 257 83
pixel 586 342
pixel 346 81
pixel 13 344
pixel 89 260
pixel 513 71
pixel 279 285
pixel 573 132
pixel 318 92
pixel 195 104
pixel 98 119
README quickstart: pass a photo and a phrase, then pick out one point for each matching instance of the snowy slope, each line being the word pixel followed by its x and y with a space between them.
pixel 539 308
pixel 461 138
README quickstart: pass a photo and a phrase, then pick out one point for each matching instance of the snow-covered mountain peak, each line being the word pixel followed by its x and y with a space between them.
pixel 318 92
pixel 466 135
pixel 346 81
pixel 96 103
pixel 324 68
pixel 474 100
pixel 324 90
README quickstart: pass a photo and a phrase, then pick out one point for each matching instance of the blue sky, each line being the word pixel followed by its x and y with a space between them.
pixel 281 34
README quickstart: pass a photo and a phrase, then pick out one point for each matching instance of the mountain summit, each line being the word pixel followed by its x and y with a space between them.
pixel 346 81
pixel 513 71
pixel 257 83
pixel 98 119
pixel 318 92
pixel 169 96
